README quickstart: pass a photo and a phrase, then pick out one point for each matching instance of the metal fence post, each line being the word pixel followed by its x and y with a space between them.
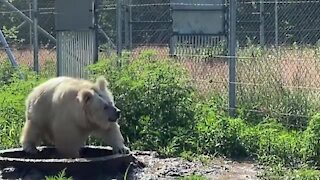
pixel 276 24
pixel 126 24
pixel 35 36
pixel 232 57
pixel 262 39
pixel 130 24
pixel 119 27
pixel 30 25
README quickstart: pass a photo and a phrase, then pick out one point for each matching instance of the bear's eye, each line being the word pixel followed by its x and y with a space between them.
pixel 105 107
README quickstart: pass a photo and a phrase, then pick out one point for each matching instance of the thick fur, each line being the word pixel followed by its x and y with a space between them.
pixel 65 111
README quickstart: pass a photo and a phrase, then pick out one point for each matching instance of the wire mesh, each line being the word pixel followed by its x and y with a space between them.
pixel 278 61
pixel 19 33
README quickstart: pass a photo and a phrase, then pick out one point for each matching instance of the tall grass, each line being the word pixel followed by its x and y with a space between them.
pixel 282 83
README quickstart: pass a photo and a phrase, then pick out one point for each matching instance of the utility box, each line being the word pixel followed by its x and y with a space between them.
pixel 198 16
pixel 197 24
pixel 74 15
pixel 75 25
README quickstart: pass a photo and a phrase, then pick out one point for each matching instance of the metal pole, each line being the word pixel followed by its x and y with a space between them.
pixel 30 25
pixel 95 4
pixel 13 8
pixel 232 57
pixel 35 36
pixel 8 50
pixel 276 24
pixel 130 24
pixel 126 24
pixel 119 28
pixel 262 40
pixel 11 57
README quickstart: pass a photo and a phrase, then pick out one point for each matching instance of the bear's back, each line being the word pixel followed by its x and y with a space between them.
pixel 58 91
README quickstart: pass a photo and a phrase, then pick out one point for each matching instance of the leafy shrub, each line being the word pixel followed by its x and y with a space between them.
pixel 269 141
pixel 49 69
pixel 307 174
pixel 280 172
pixel 220 137
pixel 311 150
pixel 6 73
pixel 279 146
pixel 12 109
pixel 272 143
pixel 154 96
pixel 217 134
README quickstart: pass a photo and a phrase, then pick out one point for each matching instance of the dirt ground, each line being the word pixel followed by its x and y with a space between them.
pixel 172 168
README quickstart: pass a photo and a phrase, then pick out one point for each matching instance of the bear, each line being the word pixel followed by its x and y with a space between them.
pixel 64 111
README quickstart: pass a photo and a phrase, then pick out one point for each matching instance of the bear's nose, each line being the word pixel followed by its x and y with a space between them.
pixel 118 112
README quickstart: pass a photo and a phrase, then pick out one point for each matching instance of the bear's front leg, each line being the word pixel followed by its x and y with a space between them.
pixel 113 138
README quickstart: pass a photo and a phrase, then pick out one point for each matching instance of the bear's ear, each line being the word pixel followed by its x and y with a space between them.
pixel 102 83
pixel 85 95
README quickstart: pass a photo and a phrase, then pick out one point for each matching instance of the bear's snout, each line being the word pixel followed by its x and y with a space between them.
pixel 115 115
pixel 118 113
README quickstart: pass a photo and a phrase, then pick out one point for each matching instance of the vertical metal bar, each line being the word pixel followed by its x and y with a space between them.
pixel 126 24
pixel 35 36
pixel 95 31
pixel 173 45
pixel 119 28
pixel 130 24
pixel 30 25
pixel 232 57
pixel 276 24
pixel 58 64
pixel 262 39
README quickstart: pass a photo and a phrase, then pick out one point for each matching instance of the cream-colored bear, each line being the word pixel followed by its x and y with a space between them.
pixel 65 111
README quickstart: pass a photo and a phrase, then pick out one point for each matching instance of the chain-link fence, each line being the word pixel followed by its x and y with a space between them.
pixel 277 54
pixel 277 62
pixel 18 31
pixel 278 59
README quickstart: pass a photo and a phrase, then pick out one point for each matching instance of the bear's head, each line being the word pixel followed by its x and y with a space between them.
pixel 98 104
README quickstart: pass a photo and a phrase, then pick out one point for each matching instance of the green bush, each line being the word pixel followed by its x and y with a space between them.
pixel 155 98
pixel 217 134
pixel 280 172
pixel 306 174
pixel 7 73
pixel 279 146
pixel 12 108
pixel 311 150
pixel 269 141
